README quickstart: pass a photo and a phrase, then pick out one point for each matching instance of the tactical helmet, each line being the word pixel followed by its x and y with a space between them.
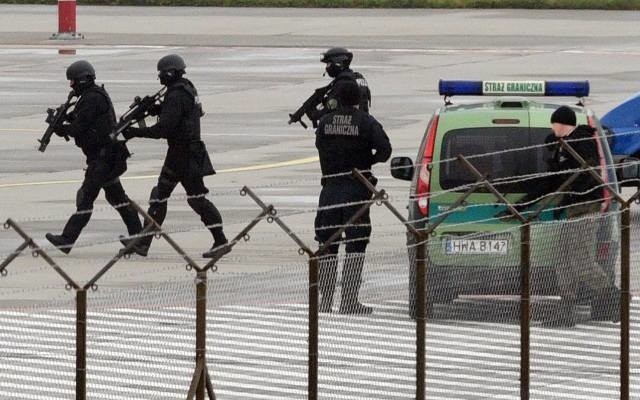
pixel 337 55
pixel 337 60
pixel 172 62
pixel 170 68
pixel 81 71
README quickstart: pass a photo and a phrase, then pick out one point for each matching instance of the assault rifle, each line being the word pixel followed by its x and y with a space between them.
pixel 138 111
pixel 55 118
pixel 309 107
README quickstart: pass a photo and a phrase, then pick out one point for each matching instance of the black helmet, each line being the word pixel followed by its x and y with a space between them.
pixel 171 62
pixel 170 68
pixel 81 71
pixel 337 55
pixel 337 60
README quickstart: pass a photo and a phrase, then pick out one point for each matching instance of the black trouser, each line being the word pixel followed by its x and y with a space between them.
pixel 196 192
pixel 94 180
pixel 329 221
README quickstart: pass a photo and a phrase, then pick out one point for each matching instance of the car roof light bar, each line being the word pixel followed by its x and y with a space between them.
pixel 513 88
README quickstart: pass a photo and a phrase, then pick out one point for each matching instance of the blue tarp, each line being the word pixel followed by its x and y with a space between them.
pixel 624 122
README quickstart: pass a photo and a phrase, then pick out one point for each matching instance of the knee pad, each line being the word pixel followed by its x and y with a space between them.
pixel 153 197
pixel 198 204
pixel 157 207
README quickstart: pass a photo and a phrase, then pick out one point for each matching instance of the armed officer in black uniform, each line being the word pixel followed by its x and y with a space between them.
pixel 324 99
pixel 91 122
pixel 187 160
pixel 346 138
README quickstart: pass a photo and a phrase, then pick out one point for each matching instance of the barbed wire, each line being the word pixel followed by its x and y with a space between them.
pixel 355 204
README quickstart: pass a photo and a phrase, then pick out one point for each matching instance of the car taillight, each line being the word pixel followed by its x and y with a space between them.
pixel 603 166
pixel 424 176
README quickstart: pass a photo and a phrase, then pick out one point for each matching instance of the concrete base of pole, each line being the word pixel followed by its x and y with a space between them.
pixel 66 36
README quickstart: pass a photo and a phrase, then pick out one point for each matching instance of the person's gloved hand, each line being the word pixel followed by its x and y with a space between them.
pixel 130 132
pixel 61 130
pixel 155 109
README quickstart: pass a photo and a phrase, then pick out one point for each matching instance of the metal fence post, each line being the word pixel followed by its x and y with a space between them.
pixel 525 310
pixel 625 245
pixel 421 337
pixel 201 327
pixel 313 329
pixel 81 344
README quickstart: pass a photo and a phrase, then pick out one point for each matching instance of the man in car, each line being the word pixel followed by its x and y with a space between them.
pixel 187 160
pixel 582 200
pixel 346 138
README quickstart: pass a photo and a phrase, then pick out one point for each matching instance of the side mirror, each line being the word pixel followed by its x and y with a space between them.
pixel 630 169
pixel 402 168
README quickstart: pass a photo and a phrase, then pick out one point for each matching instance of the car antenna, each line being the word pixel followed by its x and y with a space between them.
pixel 580 102
pixel 447 100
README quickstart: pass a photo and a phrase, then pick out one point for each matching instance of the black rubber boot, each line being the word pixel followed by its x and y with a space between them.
pixel 565 316
pixel 351 281
pixel 605 306
pixel 327 282
pixel 60 242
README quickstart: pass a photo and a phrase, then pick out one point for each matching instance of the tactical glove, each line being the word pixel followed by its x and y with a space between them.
pixel 61 131
pixel 155 109
pixel 130 132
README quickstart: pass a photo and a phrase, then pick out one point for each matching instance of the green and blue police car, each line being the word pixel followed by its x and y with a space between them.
pixel 471 251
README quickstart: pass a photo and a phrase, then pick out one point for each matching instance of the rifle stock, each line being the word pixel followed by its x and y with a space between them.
pixel 55 118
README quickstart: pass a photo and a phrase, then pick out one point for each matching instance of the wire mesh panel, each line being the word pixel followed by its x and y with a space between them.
pixel 37 336
pixel 472 331
pixel 634 313
pixel 369 356
pixel 258 333
pixel 575 343
pixel 141 340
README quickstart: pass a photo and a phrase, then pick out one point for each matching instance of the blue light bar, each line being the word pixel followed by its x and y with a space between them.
pixel 567 88
pixel 514 88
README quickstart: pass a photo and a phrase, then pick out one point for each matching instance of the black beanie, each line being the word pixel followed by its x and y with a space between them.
pixel 564 115
pixel 348 92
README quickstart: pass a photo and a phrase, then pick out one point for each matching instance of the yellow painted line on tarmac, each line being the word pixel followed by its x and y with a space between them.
pixel 299 161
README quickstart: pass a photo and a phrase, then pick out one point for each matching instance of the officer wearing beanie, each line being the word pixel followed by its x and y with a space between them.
pixel 575 256
pixel 346 138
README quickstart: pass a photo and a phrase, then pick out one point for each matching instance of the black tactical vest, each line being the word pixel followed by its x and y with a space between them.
pixel 189 128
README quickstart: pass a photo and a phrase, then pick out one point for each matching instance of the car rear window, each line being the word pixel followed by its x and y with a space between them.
pixel 480 141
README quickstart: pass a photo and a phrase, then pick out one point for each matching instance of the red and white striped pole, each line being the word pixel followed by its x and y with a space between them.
pixel 67 21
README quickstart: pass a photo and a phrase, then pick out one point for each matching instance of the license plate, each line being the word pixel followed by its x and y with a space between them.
pixel 476 246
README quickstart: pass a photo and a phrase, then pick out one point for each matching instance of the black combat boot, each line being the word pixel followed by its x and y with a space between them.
pixel 140 247
pixel 327 282
pixel 60 242
pixel 351 281
pixel 220 244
